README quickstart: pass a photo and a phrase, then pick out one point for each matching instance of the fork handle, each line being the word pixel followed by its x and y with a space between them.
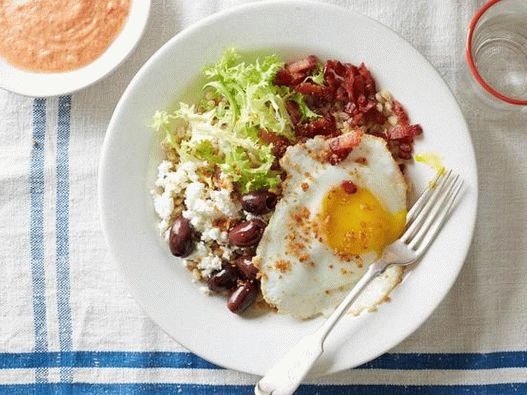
pixel 287 374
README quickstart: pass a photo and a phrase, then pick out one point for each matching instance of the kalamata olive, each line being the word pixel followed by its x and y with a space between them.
pixel 259 202
pixel 245 266
pixel 247 233
pixel 223 280
pixel 180 237
pixel 243 297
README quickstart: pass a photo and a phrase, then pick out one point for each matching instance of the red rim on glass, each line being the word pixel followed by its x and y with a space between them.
pixel 472 65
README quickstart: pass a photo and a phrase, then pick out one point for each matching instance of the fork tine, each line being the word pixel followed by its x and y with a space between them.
pixel 436 227
pixel 420 203
pixel 436 192
pixel 436 212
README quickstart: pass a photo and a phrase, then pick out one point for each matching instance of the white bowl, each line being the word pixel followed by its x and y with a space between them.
pixel 131 153
pixel 29 83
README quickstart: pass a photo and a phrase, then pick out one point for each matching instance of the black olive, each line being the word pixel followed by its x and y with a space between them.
pixel 180 237
pixel 259 202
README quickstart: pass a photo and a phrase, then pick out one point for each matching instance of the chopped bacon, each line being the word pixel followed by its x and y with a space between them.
pixel 308 88
pixel 298 78
pixel 283 77
pixel 342 145
pixel 303 65
pixel 404 155
pixel 296 72
pixel 369 83
pixel 294 111
pixel 375 116
pixel 320 126
pixel 352 90
pixel 279 143
pixel 400 132
pixel 354 85
pixel 400 112
pixel 342 95
pixel 366 106
pixel 349 187
pixel 357 119
pixel 334 67
pixel 406 147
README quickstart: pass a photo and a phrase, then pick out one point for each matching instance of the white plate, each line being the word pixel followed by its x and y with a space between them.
pixel 54 84
pixel 131 152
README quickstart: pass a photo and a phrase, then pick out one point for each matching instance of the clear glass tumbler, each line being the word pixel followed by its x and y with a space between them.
pixel 496 53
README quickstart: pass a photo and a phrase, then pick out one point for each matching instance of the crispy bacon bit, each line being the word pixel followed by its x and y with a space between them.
pixel 352 90
pixel 402 132
pixel 334 68
pixel 305 186
pixel 283 77
pixel 404 155
pixel 308 88
pixel 298 78
pixel 406 147
pixel 321 126
pixel 303 65
pixel 375 116
pixel 280 143
pixel 369 83
pixel 342 145
pixel 295 72
pixel 349 187
pixel 294 111
pixel 400 112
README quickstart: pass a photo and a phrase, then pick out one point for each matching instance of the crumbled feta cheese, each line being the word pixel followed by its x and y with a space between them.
pixel 164 205
pixel 205 205
pixel 223 202
pixel 205 290
pixel 227 253
pixel 212 234
pixel 170 184
pixel 250 216
pixel 200 249
pixel 209 264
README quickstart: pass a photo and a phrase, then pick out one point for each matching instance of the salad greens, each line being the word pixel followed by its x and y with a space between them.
pixel 239 100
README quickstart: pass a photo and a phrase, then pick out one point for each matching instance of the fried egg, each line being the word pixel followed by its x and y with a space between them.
pixel 332 222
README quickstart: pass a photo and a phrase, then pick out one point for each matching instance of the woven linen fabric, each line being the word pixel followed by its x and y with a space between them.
pixel 68 323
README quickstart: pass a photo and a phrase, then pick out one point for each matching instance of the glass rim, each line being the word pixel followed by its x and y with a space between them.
pixel 470 58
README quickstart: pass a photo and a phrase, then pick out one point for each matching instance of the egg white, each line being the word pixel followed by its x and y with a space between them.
pixel 306 287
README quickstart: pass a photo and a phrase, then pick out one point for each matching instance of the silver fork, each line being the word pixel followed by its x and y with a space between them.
pixel 424 220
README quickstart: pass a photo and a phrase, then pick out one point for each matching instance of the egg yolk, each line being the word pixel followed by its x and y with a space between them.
pixel 356 223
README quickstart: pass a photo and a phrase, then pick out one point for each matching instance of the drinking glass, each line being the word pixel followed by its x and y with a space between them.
pixel 496 54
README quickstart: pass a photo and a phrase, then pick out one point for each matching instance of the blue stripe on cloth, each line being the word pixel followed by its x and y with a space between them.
pixel 186 360
pixel 143 388
pixel 62 231
pixel 104 359
pixel 36 231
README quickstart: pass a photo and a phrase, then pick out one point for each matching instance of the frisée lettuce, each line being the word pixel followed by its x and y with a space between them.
pixel 239 100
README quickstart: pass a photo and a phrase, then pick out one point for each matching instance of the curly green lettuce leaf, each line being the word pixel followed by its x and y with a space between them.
pixel 254 102
pixel 318 75
pixel 239 100
pixel 249 175
pixel 306 113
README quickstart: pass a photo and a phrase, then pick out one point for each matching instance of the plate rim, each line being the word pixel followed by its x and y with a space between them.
pixel 255 5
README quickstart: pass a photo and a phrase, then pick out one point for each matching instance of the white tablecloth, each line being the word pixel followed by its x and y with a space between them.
pixel 67 321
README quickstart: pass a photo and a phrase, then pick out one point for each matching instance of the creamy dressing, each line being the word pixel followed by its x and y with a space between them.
pixel 58 35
